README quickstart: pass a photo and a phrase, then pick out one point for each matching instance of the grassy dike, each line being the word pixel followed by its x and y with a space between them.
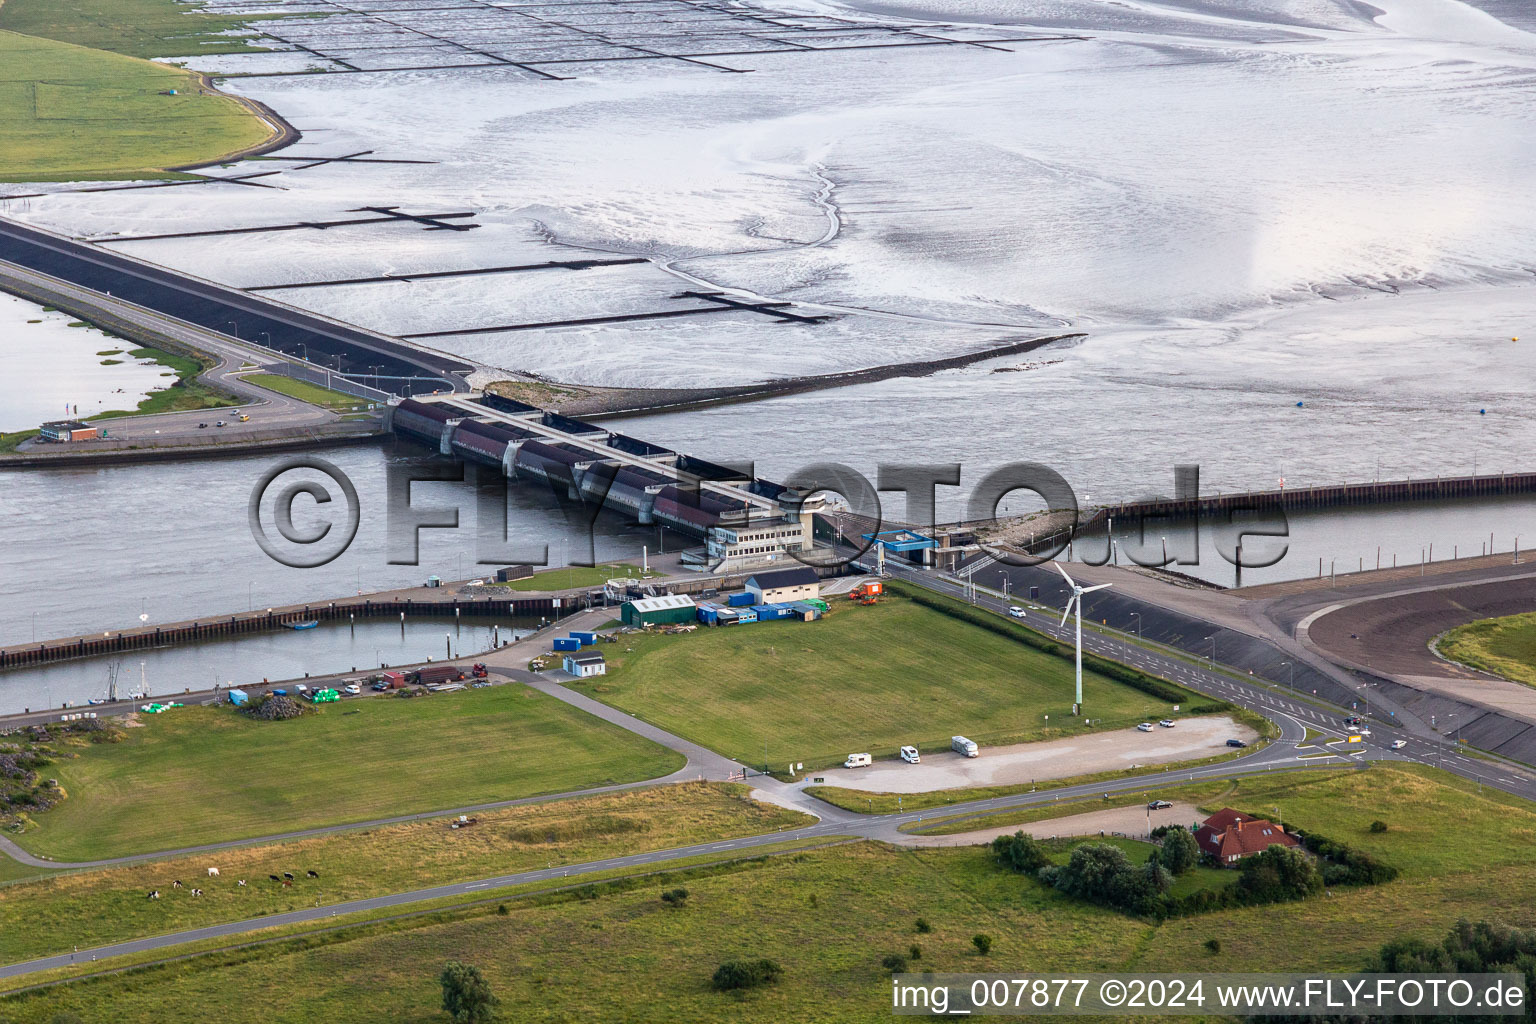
pixel 91 908
pixel 185 393
pixel 73 113
pixel 616 952
pixel 1504 646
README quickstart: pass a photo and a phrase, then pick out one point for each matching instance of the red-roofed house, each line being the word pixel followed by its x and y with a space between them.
pixel 1229 836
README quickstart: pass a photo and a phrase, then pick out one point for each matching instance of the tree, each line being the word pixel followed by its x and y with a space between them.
pixel 1019 852
pixel 741 974
pixel 1279 873
pixel 467 997
pixel 1180 852
pixel 982 942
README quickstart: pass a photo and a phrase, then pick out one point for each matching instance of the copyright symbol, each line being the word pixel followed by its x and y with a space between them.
pixel 300 539
pixel 1112 992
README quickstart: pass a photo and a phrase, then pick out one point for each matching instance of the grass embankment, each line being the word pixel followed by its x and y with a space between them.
pixel 860 679
pixel 571 576
pixel 69 113
pixel 185 393
pixel 138 28
pixel 828 916
pixel 201 775
pixel 97 907
pixel 305 391
pixel 1505 646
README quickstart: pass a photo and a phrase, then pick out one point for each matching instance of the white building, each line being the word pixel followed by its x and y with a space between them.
pixel 582 664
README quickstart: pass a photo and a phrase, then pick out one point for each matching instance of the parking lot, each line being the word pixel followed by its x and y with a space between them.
pixel 1191 739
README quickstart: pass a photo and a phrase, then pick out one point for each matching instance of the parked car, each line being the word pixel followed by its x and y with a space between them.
pixel 379 687
pixel 1166 723
pixel 1159 805
pixel 353 689
pixel 964 747
pixel 1353 720
pixel 1236 743
pixel 858 761
pixel 202 426
pixel 474 583
pixel 220 423
pixel 1399 744
pixel 1145 727
pixel 1016 611
pixel 910 755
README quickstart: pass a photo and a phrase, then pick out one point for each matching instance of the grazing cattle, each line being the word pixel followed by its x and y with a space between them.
pixel 288 875
pixel 242 883
pixel 274 878
pixel 314 874
pixel 197 892
pixel 213 872
pixel 176 884
pixel 153 895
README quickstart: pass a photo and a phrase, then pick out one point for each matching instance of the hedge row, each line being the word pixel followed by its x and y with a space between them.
pixel 1345 864
pixel 1134 678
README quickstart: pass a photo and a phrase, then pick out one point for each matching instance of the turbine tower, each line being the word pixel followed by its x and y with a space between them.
pixel 1077 599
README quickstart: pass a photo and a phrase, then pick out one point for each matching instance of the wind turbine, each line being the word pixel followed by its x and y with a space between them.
pixel 1077 599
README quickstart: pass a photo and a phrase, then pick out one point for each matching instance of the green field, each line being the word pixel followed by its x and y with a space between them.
pixel 200 775
pixel 860 679
pixel 139 28
pixel 70 113
pixel 828 916
pixel 304 391
pixel 1506 646
pixel 92 908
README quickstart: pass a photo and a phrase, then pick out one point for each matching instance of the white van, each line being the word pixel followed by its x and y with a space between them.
pixel 858 761
pixel 961 745
pixel 911 756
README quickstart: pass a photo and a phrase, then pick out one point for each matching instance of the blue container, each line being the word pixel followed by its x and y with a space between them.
pixel 709 614
pixel 238 698
pixel 567 643
pixel 587 639
pixel 744 615
pixel 740 600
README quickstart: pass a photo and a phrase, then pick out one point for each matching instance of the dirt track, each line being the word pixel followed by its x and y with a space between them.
pixel 1127 821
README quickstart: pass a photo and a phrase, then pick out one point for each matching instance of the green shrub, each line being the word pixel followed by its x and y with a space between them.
pixel 914 952
pixel 921 926
pixel 735 975
pixel 1214 945
pixel 982 942
pixel 894 962
pixel 1378 826
pixel 675 897
pixel 1019 852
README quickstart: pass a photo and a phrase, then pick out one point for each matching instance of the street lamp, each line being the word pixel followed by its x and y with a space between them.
pixel 268 336
pixel 1212 639
pixel 236 331
pixel 1138 623
pixel 1293 675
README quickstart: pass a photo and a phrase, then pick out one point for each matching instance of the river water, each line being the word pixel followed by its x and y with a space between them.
pixel 250 659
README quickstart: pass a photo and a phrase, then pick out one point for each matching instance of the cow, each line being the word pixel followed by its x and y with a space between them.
pixel 314 874
pixel 242 883
pixel 274 878
pixel 288 875
pixel 197 892
pixel 176 884
pixel 154 894
pixel 213 872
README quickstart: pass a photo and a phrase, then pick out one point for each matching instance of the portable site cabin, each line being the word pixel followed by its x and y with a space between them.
pixel 239 698
pixel 586 639
pixel 658 611
pixel 566 643
pixel 582 665
pixel 805 611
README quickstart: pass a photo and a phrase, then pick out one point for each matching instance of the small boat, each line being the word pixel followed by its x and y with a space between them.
pixel 311 624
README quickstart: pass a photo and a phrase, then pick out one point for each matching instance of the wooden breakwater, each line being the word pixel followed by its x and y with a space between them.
pixel 23 655
pixel 1381 492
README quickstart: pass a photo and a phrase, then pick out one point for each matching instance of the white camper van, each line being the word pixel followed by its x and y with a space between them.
pixel 858 761
pixel 961 745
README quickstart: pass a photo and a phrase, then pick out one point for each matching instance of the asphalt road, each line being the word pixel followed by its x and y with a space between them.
pixel 219 309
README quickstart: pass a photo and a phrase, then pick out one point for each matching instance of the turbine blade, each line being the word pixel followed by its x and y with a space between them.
pixel 1101 586
pixel 1070 581
pixel 1065 612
